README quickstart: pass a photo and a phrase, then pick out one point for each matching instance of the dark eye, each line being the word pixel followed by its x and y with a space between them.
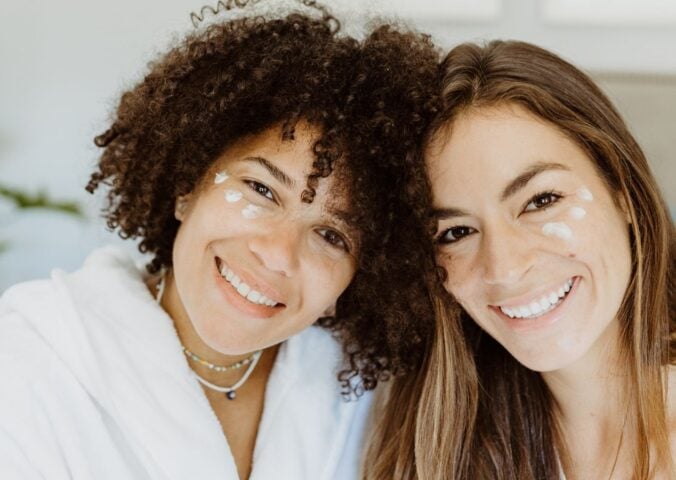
pixel 260 189
pixel 333 238
pixel 542 201
pixel 454 234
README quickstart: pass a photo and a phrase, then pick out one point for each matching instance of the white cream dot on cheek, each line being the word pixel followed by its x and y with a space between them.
pixel 568 343
pixel 221 177
pixel 251 211
pixel 584 194
pixel 578 213
pixel 232 196
pixel 557 229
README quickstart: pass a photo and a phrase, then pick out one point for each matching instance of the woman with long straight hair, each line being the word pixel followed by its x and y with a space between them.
pixel 559 250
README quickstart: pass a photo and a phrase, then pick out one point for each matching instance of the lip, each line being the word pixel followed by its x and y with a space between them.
pixel 524 325
pixel 529 297
pixel 254 283
pixel 240 303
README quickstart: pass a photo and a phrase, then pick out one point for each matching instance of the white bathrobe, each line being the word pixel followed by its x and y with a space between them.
pixel 94 385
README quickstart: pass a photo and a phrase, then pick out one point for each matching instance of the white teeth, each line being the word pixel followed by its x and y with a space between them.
pixel 243 289
pixel 541 306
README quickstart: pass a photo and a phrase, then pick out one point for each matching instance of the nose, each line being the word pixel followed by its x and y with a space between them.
pixel 277 248
pixel 506 255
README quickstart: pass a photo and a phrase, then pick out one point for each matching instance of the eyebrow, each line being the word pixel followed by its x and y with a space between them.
pixel 444 213
pixel 343 217
pixel 522 180
pixel 273 170
pixel 511 189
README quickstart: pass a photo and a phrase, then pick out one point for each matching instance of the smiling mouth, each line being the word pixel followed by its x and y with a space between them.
pixel 243 289
pixel 537 308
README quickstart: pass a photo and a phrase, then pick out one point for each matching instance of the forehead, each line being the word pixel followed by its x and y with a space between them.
pixel 294 154
pixel 294 158
pixel 486 147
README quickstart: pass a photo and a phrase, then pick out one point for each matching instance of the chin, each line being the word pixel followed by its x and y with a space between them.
pixel 549 359
pixel 544 365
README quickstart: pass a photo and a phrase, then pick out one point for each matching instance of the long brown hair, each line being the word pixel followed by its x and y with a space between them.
pixel 509 428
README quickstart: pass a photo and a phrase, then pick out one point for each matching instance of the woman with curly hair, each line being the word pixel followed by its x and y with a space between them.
pixel 559 249
pixel 267 165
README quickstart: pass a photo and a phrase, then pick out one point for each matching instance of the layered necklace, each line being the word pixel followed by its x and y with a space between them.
pixel 230 391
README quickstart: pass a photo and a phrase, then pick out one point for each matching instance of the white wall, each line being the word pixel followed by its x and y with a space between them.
pixel 64 63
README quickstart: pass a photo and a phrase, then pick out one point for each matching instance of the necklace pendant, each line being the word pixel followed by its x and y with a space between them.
pixel 231 395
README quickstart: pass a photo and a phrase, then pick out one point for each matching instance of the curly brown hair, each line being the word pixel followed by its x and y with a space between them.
pixel 371 101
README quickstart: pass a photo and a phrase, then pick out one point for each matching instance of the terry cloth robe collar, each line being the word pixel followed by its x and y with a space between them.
pixel 103 326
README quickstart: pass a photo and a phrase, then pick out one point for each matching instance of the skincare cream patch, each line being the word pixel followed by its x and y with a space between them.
pixel 251 211
pixel 557 229
pixel 232 196
pixel 221 177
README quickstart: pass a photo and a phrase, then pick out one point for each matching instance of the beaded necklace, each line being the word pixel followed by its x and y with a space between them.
pixel 229 391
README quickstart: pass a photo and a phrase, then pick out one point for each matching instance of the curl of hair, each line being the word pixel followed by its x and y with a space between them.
pixel 370 101
pixel 388 107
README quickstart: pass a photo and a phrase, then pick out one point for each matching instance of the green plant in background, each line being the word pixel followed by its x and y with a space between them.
pixel 25 201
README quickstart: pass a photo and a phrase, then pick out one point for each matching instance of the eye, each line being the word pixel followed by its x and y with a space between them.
pixel 260 189
pixel 542 201
pixel 454 234
pixel 333 238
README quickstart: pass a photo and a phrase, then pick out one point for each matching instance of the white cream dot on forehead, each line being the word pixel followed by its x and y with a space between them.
pixel 557 229
pixel 578 213
pixel 251 211
pixel 233 196
pixel 221 177
pixel 584 194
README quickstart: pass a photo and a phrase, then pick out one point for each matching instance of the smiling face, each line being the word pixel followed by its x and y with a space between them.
pixel 536 248
pixel 252 263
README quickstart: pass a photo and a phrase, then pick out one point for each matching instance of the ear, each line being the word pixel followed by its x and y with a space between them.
pixel 181 206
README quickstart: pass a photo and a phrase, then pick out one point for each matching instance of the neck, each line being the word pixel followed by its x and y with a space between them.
pixel 593 404
pixel 594 384
pixel 191 340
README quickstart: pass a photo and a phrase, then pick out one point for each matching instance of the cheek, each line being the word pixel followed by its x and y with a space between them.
pixel 565 230
pixel 600 229
pixel 605 246
pixel 231 211
pixel 333 275
pixel 457 282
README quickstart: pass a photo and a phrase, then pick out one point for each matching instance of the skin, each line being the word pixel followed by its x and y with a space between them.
pixel 496 254
pixel 299 254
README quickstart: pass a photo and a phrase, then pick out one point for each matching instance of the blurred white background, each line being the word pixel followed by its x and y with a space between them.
pixel 64 63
